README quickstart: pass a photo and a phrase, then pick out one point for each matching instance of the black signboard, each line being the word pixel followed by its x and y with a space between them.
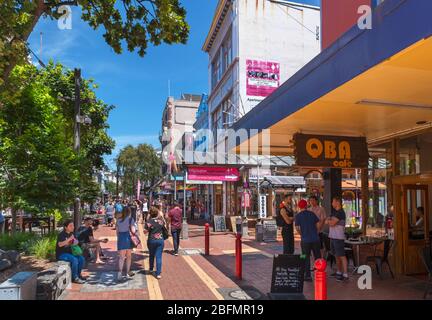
pixel 219 224
pixel 330 151
pixel 288 274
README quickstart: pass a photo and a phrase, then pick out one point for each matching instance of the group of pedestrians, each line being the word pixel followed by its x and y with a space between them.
pixel 124 216
pixel 313 226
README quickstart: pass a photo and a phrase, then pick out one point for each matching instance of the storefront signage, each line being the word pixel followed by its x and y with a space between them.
pixel 213 173
pixel 330 151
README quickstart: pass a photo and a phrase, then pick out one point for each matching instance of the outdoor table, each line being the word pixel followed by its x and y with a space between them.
pixel 357 243
pixel 50 221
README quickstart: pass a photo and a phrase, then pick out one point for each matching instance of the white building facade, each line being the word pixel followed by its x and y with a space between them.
pixel 254 46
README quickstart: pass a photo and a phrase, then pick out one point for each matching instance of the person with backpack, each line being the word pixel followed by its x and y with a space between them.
pixel 285 220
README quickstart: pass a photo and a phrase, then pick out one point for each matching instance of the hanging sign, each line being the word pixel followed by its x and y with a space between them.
pixel 262 206
pixel 330 151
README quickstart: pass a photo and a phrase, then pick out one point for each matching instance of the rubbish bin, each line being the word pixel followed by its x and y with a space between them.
pixel 259 232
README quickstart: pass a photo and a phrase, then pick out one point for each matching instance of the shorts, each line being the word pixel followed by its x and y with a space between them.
pixel 124 241
pixel 337 247
pixel 109 220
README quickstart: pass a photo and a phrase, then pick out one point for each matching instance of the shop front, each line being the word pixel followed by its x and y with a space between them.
pixel 374 87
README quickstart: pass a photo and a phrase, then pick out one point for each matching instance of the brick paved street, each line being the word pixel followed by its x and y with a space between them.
pixel 192 275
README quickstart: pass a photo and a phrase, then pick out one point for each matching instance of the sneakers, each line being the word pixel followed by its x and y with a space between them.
pixel 78 281
pixel 342 278
pixel 131 274
pixel 335 275
pixel 159 277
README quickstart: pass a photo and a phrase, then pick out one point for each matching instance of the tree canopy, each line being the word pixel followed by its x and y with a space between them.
pixel 130 23
pixel 138 163
pixel 39 170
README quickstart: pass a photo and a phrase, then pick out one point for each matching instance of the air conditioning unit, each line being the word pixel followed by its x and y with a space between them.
pixel 22 286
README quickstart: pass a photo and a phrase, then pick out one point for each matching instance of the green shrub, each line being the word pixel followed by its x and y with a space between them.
pixel 43 248
pixel 30 243
pixel 17 242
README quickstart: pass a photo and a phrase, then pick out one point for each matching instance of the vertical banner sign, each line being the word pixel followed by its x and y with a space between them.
pixel 263 207
pixel 246 199
pixel 138 189
pixel 262 77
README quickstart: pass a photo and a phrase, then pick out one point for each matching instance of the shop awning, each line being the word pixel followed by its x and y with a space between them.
pixel 374 83
pixel 286 181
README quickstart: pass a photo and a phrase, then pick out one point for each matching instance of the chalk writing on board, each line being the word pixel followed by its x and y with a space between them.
pixel 219 223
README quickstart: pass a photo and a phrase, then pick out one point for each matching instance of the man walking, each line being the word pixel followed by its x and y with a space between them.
pixel 175 218
pixel 307 224
pixel 285 221
pixel 336 222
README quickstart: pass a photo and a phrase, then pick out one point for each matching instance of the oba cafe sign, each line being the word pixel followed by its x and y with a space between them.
pixel 330 151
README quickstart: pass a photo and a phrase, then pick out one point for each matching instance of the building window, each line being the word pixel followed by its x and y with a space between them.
pixel 222 60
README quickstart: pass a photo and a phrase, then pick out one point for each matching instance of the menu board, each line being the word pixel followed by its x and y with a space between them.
pixel 270 230
pixel 219 223
pixel 288 274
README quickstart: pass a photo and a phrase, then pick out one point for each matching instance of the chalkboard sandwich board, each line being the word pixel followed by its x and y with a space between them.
pixel 219 223
pixel 287 277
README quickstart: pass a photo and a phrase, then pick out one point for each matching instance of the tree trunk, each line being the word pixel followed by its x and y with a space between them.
pixel 40 9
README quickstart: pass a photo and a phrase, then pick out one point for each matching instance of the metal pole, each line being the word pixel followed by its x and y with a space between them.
pixel 175 188
pixel 77 74
pixel 185 227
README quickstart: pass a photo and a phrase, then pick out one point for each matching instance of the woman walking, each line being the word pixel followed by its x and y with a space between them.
pixel 155 229
pixel 124 242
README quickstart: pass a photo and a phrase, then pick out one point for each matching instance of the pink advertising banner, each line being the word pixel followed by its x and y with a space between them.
pixel 213 174
pixel 262 77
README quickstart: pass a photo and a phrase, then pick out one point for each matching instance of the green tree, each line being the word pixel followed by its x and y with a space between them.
pixel 138 163
pixel 135 22
pixel 37 166
pixel 38 169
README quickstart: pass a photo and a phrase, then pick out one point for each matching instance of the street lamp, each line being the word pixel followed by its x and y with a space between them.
pixel 79 119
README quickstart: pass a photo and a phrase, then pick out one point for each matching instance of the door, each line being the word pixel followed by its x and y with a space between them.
pixel 415 226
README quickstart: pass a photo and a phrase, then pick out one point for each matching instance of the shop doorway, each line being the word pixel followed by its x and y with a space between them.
pixel 415 218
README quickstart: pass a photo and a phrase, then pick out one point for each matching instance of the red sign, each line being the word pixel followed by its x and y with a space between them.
pixel 262 77
pixel 213 174
pixel 246 200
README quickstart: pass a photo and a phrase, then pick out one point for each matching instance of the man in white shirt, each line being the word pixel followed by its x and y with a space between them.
pixel 321 215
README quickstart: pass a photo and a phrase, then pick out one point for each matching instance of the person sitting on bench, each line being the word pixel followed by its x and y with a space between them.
pixel 87 241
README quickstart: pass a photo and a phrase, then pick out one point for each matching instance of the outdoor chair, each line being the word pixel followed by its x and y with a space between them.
pixel 426 256
pixel 381 260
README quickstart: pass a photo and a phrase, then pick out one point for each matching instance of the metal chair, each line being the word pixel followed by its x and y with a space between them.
pixel 380 260
pixel 426 256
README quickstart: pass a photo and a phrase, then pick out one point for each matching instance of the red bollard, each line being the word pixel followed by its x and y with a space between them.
pixel 207 239
pixel 320 279
pixel 238 252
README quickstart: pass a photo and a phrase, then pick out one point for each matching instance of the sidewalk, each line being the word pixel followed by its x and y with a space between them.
pixel 193 276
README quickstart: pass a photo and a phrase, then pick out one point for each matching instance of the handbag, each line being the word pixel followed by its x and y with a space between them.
pixel 76 250
pixel 165 233
pixel 134 237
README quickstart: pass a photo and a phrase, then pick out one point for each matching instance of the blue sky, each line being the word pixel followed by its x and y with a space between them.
pixel 138 87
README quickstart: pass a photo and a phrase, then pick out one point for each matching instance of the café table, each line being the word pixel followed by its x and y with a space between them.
pixel 357 243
